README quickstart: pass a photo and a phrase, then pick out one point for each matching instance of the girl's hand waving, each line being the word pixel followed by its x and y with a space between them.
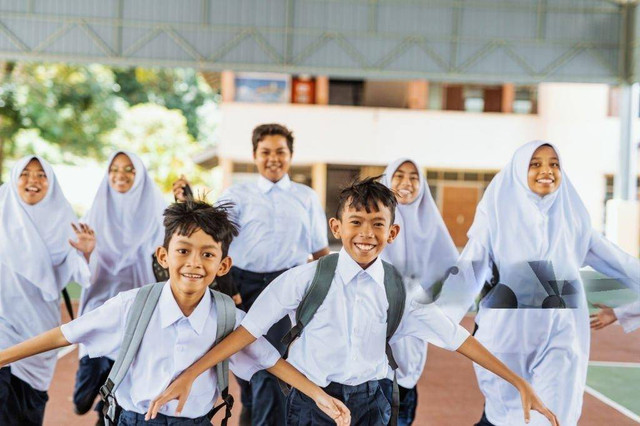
pixel 86 239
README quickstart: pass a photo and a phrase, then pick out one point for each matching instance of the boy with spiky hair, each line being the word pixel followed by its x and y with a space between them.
pixel 181 329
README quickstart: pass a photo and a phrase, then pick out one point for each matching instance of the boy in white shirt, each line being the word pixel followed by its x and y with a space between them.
pixel 342 348
pixel 181 329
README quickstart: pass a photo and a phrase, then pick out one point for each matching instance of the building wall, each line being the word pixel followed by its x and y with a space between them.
pixel 573 116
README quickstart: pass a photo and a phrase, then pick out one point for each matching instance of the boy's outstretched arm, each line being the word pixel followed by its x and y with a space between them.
pixel 477 353
pixel 179 389
pixel 52 339
pixel 240 338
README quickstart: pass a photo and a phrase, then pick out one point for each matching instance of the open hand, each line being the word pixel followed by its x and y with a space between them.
pixel 604 317
pixel 179 389
pixel 530 401
pixel 86 239
pixel 334 408
pixel 178 188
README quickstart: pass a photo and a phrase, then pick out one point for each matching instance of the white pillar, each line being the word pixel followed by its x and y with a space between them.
pixel 625 183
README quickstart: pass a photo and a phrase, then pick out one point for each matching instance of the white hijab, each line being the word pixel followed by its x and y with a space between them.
pixel 128 226
pixel 34 239
pixel 518 226
pixel 423 249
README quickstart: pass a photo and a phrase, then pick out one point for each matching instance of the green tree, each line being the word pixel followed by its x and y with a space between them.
pixel 174 88
pixel 69 106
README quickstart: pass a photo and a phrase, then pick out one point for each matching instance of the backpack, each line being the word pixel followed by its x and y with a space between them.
pixel 317 292
pixel 137 322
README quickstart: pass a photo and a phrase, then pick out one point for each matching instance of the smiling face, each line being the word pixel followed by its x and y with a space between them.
pixel 33 183
pixel 193 261
pixel 364 235
pixel 405 183
pixel 122 174
pixel 544 175
pixel 272 157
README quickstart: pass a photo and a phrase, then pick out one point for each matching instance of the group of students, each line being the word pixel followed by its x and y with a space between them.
pixel 530 236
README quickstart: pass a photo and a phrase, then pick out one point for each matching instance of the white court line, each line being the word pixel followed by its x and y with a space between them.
pixel 66 351
pixel 611 403
pixel 614 364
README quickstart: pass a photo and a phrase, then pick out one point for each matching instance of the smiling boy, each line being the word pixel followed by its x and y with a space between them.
pixel 181 329
pixel 342 348
pixel 281 224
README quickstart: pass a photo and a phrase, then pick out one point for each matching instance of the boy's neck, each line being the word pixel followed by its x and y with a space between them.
pixel 187 302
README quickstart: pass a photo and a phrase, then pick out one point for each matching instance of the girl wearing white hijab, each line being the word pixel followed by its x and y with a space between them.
pixel 38 258
pixel 127 214
pixel 423 252
pixel 532 228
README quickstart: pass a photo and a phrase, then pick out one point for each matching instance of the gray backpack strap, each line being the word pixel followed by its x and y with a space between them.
pixel 314 296
pixel 226 322
pixel 139 316
pixel 396 295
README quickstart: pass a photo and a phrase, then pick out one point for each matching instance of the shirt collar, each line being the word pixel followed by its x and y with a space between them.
pixel 266 185
pixel 349 268
pixel 170 312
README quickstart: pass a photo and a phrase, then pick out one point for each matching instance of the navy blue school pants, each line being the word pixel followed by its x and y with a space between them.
pixel 367 403
pixel 408 401
pixel 129 418
pixel 91 375
pixel 262 396
pixel 20 404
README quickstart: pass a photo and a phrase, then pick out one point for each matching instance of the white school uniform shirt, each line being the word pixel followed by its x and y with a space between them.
pixel 128 228
pixel 547 347
pixel 423 252
pixel 345 340
pixel 172 342
pixel 36 263
pixel 280 224
pixel 628 315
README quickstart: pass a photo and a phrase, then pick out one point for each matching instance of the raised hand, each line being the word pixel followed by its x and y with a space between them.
pixel 530 401
pixel 604 317
pixel 178 188
pixel 86 239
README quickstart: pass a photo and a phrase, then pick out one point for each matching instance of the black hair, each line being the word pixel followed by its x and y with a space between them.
pixel 271 129
pixel 366 194
pixel 187 217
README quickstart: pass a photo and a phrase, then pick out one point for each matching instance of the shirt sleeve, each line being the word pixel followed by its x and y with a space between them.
pixel 463 285
pixel 428 323
pixel 259 355
pixel 608 259
pixel 319 239
pixel 280 298
pixel 628 316
pixel 229 197
pixel 99 330
pixel 74 269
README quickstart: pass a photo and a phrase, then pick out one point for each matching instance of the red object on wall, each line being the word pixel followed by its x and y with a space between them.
pixel 303 90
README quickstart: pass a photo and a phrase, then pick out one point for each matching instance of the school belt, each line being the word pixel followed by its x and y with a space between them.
pixel 368 388
pixel 265 277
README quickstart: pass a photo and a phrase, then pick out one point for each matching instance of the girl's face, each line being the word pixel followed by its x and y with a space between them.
pixel 33 183
pixel 405 182
pixel 544 174
pixel 122 174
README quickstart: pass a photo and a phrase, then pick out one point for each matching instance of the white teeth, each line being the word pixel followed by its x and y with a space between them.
pixel 192 275
pixel 404 192
pixel 545 181
pixel 364 247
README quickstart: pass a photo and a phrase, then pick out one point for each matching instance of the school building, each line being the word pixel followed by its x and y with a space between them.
pixel 462 134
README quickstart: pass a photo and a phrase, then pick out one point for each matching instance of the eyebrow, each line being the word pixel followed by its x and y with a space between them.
pixel 187 243
pixel 540 158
